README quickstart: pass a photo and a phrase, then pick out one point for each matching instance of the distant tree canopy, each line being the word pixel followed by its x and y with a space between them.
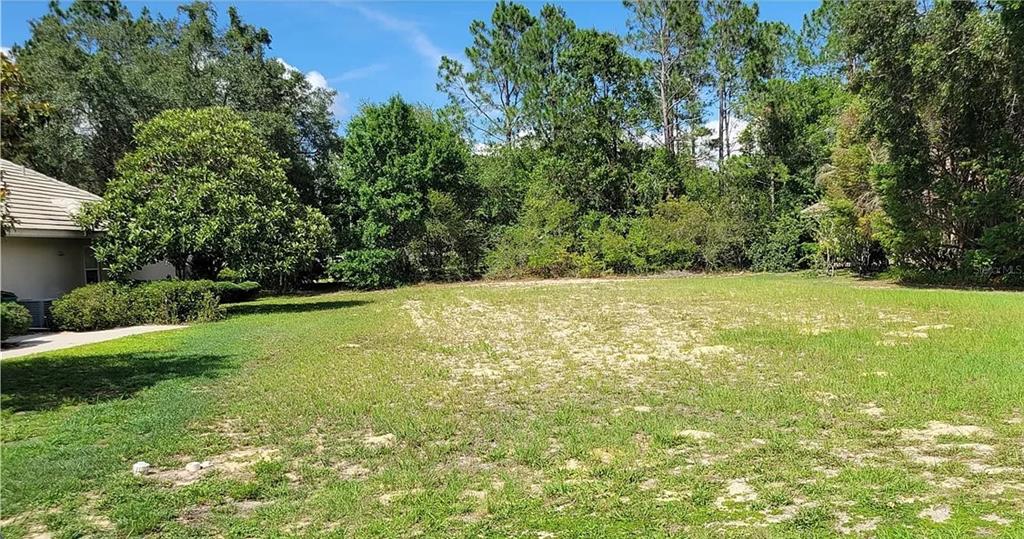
pixel 202 191
pixel 103 70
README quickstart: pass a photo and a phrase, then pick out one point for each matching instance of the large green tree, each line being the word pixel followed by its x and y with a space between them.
pixel 20 114
pixel 403 186
pixel 670 33
pixel 942 93
pixel 103 70
pixel 202 191
pixel 490 90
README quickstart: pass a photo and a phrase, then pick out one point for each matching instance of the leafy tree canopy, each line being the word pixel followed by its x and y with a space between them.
pixel 202 191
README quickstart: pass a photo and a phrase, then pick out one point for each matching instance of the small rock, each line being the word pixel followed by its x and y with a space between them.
pixel 141 468
pixel 193 467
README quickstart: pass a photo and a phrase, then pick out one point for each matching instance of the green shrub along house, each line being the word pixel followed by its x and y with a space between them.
pixel 47 254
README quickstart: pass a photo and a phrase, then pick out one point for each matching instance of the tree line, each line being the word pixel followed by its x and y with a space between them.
pixel 875 135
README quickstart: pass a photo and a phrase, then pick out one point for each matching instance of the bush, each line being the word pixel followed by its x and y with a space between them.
pixel 228 274
pixel 173 302
pixel 96 306
pixel 677 235
pixel 236 292
pixel 782 248
pixel 109 305
pixel 542 243
pixel 14 320
pixel 451 245
pixel 369 269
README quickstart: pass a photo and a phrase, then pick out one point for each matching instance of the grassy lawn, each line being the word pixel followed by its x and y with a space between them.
pixel 749 406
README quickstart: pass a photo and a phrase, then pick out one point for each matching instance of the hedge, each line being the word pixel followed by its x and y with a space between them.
pixel 14 320
pixel 231 292
pixel 110 305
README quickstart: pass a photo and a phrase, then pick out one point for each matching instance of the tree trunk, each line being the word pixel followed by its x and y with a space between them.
pixel 721 123
pixel 666 117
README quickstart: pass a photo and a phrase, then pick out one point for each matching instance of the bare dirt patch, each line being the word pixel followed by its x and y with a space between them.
pixel 235 463
pixel 737 491
pixel 936 513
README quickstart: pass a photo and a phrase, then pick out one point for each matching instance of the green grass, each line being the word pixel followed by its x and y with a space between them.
pixel 749 406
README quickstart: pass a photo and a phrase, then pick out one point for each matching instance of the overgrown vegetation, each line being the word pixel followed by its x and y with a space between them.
pixel 874 136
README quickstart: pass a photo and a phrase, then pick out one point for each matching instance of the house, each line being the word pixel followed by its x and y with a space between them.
pixel 47 253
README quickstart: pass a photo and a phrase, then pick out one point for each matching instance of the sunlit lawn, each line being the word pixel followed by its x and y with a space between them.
pixel 713 406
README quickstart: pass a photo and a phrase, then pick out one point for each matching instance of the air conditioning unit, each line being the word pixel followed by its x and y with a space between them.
pixel 40 312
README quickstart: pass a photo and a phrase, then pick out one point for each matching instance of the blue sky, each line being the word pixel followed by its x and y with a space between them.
pixel 368 51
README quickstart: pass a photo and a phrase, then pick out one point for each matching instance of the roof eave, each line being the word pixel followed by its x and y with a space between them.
pixel 49 233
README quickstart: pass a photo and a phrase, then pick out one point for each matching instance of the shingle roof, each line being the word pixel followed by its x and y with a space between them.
pixel 40 204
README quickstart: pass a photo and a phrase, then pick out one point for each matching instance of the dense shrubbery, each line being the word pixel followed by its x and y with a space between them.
pixel 232 292
pixel 109 304
pixel 368 268
pixel 14 320
pixel 550 241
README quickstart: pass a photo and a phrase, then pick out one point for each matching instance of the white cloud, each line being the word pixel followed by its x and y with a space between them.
pixel 287 67
pixel 360 72
pixel 7 52
pixel 482 148
pixel 420 42
pixel 316 79
pixel 709 154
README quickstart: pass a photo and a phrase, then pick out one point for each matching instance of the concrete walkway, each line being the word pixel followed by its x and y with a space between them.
pixel 34 343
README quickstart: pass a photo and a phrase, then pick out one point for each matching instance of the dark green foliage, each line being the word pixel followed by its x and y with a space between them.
pixel 110 304
pixel 203 192
pixel 451 247
pixel 406 202
pixel 14 320
pixel 232 292
pixel 173 301
pixel 369 269
pixel 95 306
pixel 503 179
pixel 541 243
pixel 782 247
pixel 942 92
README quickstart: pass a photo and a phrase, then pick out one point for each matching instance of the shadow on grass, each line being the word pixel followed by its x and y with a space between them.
pixel 291 307
pixel 49 382
pixel 942 284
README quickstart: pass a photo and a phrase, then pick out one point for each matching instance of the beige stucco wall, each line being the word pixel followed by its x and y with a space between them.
pixel 42 268
pixel 154 272
pixel 47 268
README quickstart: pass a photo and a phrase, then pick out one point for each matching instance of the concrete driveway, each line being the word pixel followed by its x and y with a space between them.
pixel 34 343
